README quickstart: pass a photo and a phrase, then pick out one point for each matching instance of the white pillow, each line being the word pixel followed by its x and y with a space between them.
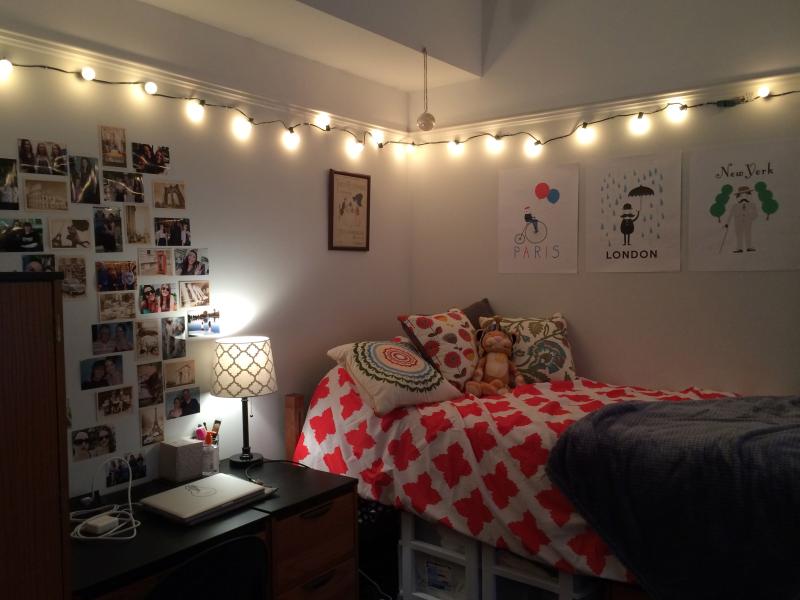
pixel 389 375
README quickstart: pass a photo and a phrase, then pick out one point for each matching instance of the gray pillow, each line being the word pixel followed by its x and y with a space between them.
pixel 478 309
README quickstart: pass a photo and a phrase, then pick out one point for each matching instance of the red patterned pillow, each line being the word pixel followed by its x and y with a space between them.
pixel 447 341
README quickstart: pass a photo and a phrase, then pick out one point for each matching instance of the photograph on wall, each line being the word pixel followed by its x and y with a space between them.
pixel 116 306
pixel 633 214
pixel 9 188
pixel 113 146
pixel 21 235
pixel 45 194
pixel 148 158
pixel 107 229
pixel 38 263
pixel 74 268
pixel 191 261
pixel 169 194
pixel 178 373
pixel 537 220
pixel 137 225
pixel 69 233
pixel 84 180
pixel 119 472
pixel 42 158
pixel 147 336
pixel 348 211
pixel 115 275
pixel 157 298
pixel 195 293
pixel 744 208
pixel 173 337
pixel 182 403
pixel 112 337
pixel 112 403
pixel 152 424
pixel 153 261
pixel 203 322
pixel 123 188
pixel 101 372
pixel 93 441
pixel 172 231
pixel 151 384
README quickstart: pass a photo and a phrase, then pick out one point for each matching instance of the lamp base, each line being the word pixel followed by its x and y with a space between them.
pixel 242 461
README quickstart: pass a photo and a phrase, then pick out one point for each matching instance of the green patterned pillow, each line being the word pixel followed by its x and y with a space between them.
pixel 390 374
pixel 541 352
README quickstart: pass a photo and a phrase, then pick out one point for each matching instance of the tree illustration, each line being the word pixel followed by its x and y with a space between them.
pixel 718 208
pixel 768 204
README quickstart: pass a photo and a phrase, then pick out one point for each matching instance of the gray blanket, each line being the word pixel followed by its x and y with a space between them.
pixel 699 499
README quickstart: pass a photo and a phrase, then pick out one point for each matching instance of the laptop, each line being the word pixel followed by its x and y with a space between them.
pixel 203 499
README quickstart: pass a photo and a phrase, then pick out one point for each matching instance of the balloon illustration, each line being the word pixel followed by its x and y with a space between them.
pixel 553 196
pixel 541 190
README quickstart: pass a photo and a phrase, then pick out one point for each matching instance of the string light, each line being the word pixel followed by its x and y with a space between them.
pixel 6 66
pixel 353 147
pixel 639 125
pixel 290 139
pixel 242 127
pixel 455 147
pixel 676 110
pixel 586 135
pixel 494 144
pixel 195 110
pixel 533 148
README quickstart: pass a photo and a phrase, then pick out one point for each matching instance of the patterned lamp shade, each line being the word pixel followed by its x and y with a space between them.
pixel 243 368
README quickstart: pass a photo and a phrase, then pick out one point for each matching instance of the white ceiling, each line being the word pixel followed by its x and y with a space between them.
pixel 299 29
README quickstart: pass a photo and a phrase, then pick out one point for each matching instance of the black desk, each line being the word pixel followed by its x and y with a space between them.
pixel 160 544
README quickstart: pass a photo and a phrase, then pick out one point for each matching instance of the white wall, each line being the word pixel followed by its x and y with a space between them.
pixel 262 213
pixel 724 330
pixel 547 54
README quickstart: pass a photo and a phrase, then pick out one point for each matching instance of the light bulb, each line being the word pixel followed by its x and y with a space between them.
pixel 411 148
pixel 494 144
pixel 242 127
pixel 322 120
pixel 5 68
pixel 763 91
pixel 290 139
pixel 675 112
pixel 88 73
pixel 150 87
pixel 353 147
pixel 195 110
pixel 586 134
pixel 426 121
pixel 377 136
pixel 639 125
pixel 399 150
pixel 533 148
pixel 455 147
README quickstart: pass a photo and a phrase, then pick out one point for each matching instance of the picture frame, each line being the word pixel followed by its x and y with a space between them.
pixel 348 211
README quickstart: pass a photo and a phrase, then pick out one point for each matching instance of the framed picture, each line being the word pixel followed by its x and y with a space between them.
pixel 348 211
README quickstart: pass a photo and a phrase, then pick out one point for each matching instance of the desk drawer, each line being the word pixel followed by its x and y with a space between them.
pixel 310 543
pixel 338 583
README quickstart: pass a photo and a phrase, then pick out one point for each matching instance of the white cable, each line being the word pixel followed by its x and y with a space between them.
pixel 124 531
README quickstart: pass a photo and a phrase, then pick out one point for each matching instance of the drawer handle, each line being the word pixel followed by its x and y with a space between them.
pixel 316 512
pixel 320 581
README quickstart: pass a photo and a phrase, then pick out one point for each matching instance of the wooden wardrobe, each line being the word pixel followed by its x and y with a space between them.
pixel 33 424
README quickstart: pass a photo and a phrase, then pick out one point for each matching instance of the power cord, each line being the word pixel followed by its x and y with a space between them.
pixel 277 460
pixel 375 585
pixel 126 526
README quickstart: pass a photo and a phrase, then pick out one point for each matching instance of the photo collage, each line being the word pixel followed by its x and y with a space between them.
pixel 132 249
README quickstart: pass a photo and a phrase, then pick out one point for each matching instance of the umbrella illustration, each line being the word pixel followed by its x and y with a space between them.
pixel 640 192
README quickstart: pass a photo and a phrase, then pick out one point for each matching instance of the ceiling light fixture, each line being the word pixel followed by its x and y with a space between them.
pixel 426 121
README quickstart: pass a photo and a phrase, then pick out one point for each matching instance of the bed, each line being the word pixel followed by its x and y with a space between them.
pixel 477 466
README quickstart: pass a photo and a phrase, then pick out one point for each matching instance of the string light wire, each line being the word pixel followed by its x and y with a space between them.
pixel 362 138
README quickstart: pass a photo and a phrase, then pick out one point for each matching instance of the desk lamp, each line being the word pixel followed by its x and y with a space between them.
pixel 243 368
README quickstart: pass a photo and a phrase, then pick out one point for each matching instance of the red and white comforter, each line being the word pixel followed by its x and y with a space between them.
pixel 475 465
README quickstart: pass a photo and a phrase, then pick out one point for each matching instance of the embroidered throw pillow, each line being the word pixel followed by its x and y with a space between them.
pixel 447 340
pixel 388 375
pixel 541 352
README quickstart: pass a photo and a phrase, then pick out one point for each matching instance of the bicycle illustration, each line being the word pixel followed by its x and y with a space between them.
pixel 535 231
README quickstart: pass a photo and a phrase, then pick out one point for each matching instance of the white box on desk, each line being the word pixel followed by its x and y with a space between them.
pixel 180 460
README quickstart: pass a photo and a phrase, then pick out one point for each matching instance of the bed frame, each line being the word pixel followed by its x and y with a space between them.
pixel 294 417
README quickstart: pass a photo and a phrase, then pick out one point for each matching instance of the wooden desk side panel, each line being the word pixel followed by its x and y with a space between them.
pixel 33 544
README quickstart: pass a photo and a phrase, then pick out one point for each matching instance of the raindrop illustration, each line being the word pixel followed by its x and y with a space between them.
pixel 602 227
pixel 651 231
pixel 661 191
pixel 662 204
pixel 658 236
pixel 613 213
pixel 643 235
pixel 614 227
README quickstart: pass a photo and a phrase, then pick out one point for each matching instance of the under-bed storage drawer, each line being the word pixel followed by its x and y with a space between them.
pixel 308 545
